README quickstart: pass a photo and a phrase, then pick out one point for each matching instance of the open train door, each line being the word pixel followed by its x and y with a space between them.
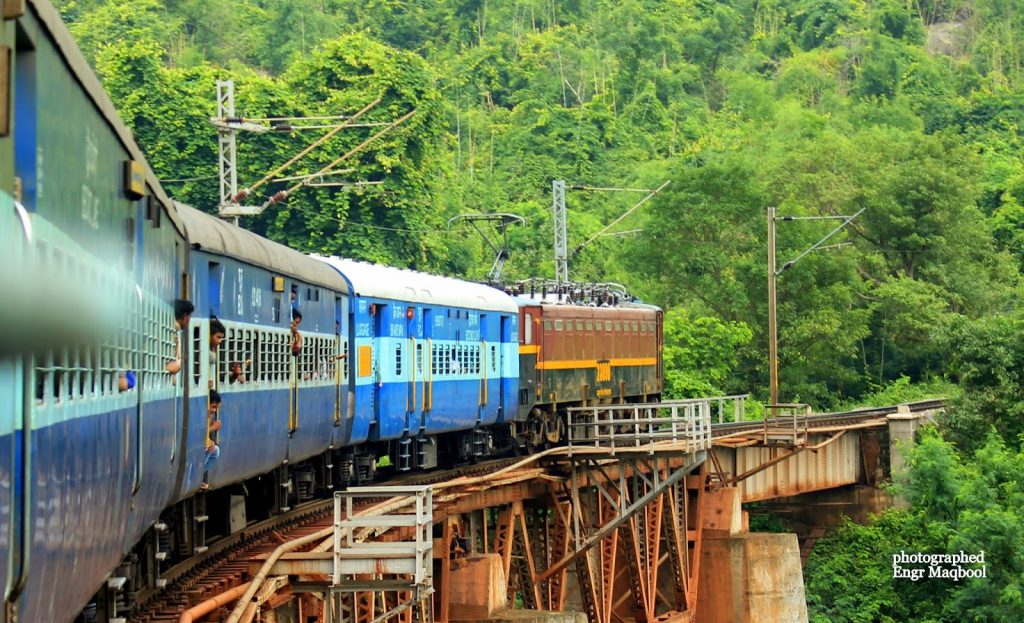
pixel 379 329
pixel 498 367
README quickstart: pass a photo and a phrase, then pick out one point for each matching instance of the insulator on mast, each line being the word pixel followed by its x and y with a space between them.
pixel 278 197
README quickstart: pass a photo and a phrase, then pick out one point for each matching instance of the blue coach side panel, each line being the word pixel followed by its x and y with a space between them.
pixel 89 272
pixel 430 354
pixel 282 407
pixel 90 258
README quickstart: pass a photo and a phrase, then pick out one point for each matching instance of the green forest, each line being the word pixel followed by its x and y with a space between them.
pixel 910 112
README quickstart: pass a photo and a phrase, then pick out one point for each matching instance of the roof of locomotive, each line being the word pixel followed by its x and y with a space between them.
pixel 217 236
pixel 50 20
pixel 555 308
pixel 398 284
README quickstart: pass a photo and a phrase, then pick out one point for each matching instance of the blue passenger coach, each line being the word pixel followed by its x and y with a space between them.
pixel 431 355
pixel 280 409
pixel 91 250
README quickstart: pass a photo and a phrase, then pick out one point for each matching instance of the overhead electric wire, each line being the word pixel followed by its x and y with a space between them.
pixel 624 215
pixel 366 225
pixel 190 179
pixel 283 195
pixel 320 141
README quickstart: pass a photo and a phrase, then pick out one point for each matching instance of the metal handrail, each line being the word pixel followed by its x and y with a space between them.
pixel 639 426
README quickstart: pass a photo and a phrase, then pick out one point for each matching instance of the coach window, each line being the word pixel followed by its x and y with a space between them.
pixel 270 357
pixel 279 353
pixel 398 360
pixel 618 326
pixel 590 325
pixel 608 325
pixel 270 360
pixel 558 325
pixel 197 358
pixel 547 326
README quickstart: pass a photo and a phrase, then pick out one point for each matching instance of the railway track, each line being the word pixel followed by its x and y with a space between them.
pixel 225 565
pixel 824 419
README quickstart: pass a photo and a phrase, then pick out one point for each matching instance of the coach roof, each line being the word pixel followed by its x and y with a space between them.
pixel 214 235
pixel 374 280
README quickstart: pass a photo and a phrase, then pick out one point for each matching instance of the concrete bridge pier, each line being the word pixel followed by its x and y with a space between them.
pixel 745 576
pixel 903 427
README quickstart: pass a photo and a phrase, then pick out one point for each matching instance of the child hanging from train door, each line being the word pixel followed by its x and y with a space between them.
pixel 213 424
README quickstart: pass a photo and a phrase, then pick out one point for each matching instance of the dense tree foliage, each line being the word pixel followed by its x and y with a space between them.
pixel 910 112
pixel 971 506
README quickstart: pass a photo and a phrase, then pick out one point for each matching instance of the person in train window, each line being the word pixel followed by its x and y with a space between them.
pixel 237 371
pixel 126 381
pixel 182 314
pixel 296 345
pixel 213 425
pixel 217 335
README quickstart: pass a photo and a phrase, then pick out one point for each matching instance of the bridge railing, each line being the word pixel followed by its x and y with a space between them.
pixel 675 425
pixel 788 422
pixel 408 559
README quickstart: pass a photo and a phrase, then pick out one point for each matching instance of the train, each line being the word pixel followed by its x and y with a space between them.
pixel 104 478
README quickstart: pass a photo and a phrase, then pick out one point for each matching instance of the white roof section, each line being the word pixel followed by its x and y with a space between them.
pixel 374 280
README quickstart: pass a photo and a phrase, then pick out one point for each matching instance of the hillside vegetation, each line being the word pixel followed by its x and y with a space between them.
pixel 911 111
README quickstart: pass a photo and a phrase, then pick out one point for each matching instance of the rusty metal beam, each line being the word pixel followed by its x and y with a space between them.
pixel 609 559
pixel 676 547
pixel 560 549
pixel 652 557
pixel 503 542
pixel 634 564
pixel 623 516
pixel 322 563
pixel 534 587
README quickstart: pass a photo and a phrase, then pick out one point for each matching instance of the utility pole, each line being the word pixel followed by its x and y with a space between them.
pixel 774 272
pixel 773 330
pixel 228 125
pixel 226 156
pixel 561 244
pixel 561 237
